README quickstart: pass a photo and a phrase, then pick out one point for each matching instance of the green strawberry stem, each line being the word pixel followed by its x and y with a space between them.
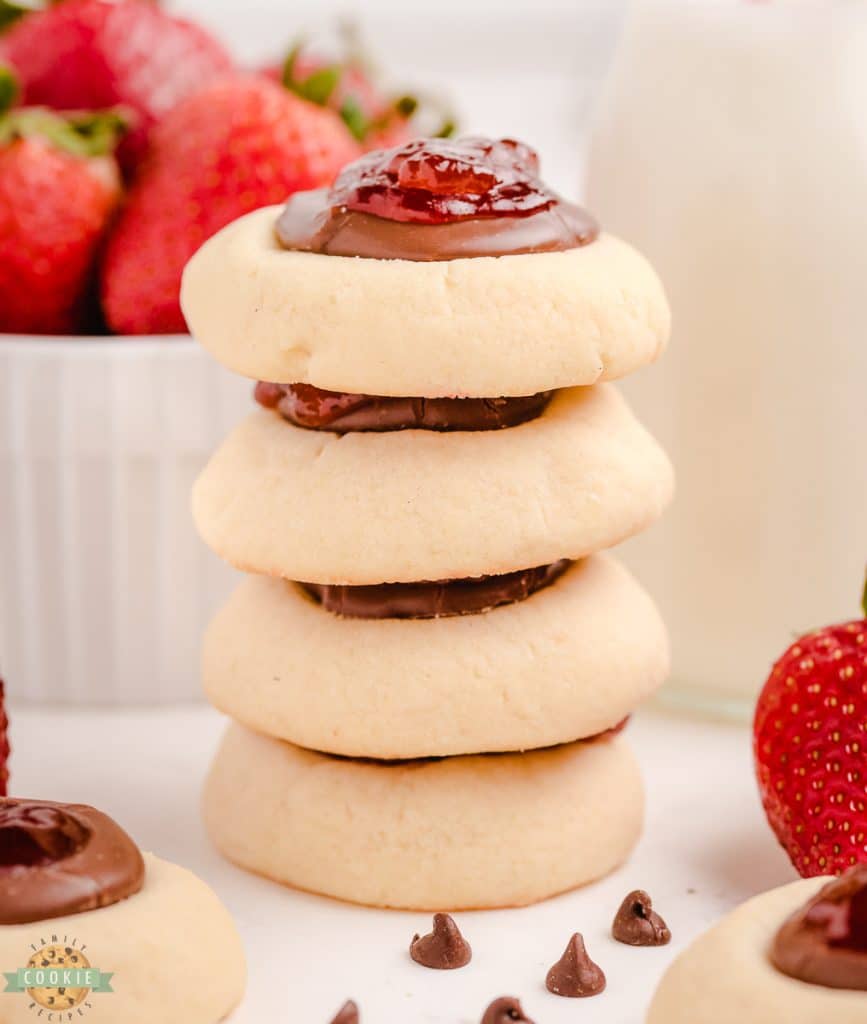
pixel 319 88
pixel 8 88
pixel 446 130
pixel 354 119
pixel 84 134
pixel 10 12
pixel 864 599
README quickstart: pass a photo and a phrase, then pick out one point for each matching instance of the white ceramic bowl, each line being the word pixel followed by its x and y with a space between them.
pixel 104 586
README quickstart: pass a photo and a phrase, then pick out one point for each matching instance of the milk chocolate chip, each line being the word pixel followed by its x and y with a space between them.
pixel 347 1014
pixel 825 942
pixel 60 859
pixel 505 1010
pixel 575 974
pixel 638 924
pixel 444 948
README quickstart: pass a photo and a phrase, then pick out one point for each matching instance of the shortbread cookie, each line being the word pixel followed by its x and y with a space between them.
pixel 490 830
pixel 421 505
pixel 728 974
pixel 94 902
pixel 521 676
pixel 486 326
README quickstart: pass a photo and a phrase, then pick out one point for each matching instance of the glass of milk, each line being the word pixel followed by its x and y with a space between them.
pixel 731 148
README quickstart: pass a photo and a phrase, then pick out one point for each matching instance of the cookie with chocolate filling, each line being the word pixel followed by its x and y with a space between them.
pixel 796 954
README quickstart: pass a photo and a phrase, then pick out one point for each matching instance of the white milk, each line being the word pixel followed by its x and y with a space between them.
pixel 732 149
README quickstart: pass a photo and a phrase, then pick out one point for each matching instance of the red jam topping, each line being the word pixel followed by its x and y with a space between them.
pixel 37 835
pixel 435 181
pixel 825 942
pixel 844 924
pixel 436 200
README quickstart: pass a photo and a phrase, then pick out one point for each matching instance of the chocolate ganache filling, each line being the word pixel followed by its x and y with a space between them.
pixel 315 409
pixel 825 943
pixel 434 200
pixel 430 600
pixel 60 859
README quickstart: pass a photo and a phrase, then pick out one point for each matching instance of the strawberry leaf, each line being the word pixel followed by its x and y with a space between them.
pixel 354 119
pixel 88 134
pixel 319 86
pixel 8 88
pixel 406 106
pixel 288 76
pixel 446 130
pixel 10 12
pixel 101 130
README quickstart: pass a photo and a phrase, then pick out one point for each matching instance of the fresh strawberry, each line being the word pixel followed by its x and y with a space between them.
pixel 239 144
pixel 810 735
pixel 94 54
pixel 59 186
pixel 349 85
pixel 349 88
pixel 4 743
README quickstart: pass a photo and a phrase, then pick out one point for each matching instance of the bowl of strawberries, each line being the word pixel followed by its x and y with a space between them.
pixel 127 138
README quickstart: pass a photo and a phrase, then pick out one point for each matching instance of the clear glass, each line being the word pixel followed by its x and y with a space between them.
pixel 731 148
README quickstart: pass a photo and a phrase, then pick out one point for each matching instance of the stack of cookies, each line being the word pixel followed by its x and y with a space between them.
pixel 430 663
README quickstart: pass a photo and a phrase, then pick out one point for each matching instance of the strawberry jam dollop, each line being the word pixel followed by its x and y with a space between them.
pixel 438 181
pixel 825 943
pixel 435 200
pixel 34 834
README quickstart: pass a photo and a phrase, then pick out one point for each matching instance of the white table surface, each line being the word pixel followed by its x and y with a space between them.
pixel 706 848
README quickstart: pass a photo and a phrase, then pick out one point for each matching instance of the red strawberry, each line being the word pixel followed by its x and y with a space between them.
pixel 58 189
pixel 93 54
pixel 239 144
pixel 349 88
pixel 4 743
pixel 810 735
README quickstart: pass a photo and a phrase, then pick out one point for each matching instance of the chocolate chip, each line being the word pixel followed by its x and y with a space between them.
pixel 347 1014
pixel 638 924
pixel 444 948
pixel 575 974
pixel 505 1010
